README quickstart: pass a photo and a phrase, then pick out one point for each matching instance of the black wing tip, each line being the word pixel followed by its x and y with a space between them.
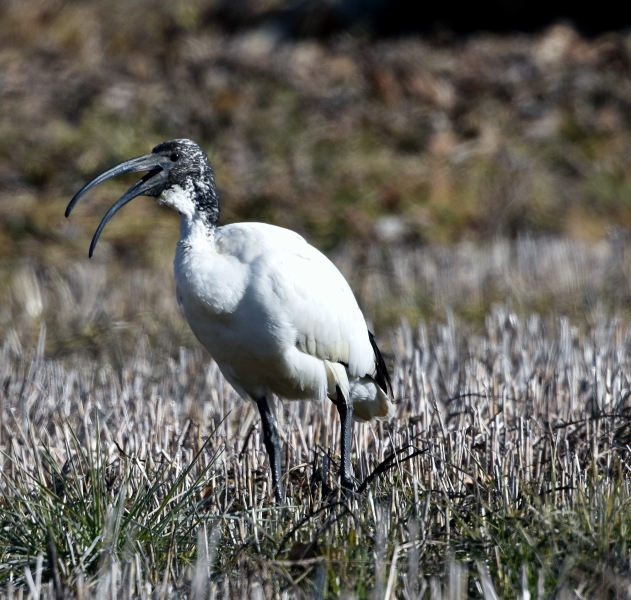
pixel 382 376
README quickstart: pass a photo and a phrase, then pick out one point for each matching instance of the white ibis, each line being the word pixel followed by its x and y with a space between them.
pixel 275 313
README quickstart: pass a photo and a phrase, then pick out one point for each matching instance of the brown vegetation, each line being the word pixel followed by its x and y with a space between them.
pixel 504 468
pixel 399 140
pixel 128 466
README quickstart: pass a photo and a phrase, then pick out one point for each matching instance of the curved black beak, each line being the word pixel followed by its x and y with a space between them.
pixel 152 184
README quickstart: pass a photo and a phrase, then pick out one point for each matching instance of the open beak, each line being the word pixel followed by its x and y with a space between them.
pixel 151 184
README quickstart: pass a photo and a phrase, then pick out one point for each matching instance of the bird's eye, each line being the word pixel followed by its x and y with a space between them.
pixel 175 157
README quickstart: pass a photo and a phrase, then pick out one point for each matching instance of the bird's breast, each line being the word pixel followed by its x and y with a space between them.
pixel 219 295
pixel 209 282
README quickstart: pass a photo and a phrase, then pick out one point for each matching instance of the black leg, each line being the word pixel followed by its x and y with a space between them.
pixel 345 409
pixel 272 445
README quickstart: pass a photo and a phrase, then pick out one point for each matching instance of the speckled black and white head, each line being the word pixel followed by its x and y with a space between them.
pixel 179 176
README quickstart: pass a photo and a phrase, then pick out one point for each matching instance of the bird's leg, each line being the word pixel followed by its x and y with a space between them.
pixel 345 409
pixel 272 445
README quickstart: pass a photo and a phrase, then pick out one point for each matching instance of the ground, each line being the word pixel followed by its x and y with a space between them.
pixel 476 195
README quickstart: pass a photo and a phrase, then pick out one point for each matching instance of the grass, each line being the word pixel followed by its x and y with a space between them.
pixel 333 138
pixel 128 467
pixel 133 469
pixel 91 512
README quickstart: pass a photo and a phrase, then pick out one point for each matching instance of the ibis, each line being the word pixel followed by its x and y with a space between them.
pixel 275 314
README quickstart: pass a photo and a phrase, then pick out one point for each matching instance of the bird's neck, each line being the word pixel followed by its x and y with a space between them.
pixel 206 199
pixel 197 203
pixel 195 231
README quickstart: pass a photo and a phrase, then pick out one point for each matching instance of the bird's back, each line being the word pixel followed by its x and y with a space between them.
pixel 276 314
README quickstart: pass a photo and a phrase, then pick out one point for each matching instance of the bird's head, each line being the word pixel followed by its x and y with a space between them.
pixel 178 174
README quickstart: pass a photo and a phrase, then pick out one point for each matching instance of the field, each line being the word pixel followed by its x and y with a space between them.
pixel 409 140
pixel 131 469
pixel 476 192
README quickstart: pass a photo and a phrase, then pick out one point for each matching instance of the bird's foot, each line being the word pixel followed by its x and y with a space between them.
pixel 347 486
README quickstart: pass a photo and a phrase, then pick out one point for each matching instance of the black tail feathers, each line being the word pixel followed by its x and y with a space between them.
pixel 381 377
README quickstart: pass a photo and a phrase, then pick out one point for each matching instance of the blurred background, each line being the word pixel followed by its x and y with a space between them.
pixel 420 150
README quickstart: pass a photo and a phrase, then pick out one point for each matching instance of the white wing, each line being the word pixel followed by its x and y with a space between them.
pixel 321 307
pixel 303 291
pixel 306 291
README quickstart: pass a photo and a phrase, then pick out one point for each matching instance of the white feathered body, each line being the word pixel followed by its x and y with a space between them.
pixel 276 315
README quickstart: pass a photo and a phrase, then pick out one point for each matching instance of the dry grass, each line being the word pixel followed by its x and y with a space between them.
pixel 344 139
pixel 130 468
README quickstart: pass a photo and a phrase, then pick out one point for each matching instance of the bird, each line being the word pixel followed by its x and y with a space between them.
pixel 275 314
